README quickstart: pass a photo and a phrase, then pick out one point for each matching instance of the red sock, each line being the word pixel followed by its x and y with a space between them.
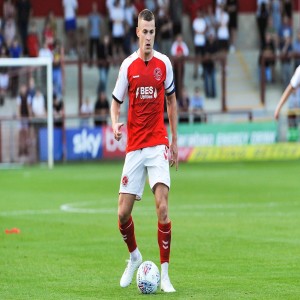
pixel 164 241
pixel 127 231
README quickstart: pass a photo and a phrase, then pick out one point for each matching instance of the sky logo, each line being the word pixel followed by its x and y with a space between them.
pixel 86 142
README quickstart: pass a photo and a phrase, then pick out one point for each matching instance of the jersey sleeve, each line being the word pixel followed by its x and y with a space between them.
pixel 121 87
pixel 295 81
pixel 169 82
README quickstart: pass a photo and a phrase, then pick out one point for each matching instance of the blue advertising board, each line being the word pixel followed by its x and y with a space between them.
pixel 57 146
pixel 81 144
pixel 84 143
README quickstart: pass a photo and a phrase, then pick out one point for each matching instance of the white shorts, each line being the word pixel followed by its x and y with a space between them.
pixel 152 161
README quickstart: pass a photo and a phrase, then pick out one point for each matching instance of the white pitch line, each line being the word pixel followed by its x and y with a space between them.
pixel 71 209
pixel 29 212
pixel 198 209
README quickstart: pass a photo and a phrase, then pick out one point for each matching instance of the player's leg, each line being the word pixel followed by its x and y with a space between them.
pixel 132 186
pixel 164 234
pixel 126 227
pixel 159 179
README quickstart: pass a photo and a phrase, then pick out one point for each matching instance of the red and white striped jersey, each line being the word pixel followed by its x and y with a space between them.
pixel 146 85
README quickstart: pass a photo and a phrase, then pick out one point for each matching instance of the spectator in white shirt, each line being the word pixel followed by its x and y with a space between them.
pixel 199 27
pixel 70 8
pixel 179 50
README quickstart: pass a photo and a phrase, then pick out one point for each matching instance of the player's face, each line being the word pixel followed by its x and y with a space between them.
pixel 146 35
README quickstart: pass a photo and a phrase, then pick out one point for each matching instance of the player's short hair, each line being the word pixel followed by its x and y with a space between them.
pixel 146 15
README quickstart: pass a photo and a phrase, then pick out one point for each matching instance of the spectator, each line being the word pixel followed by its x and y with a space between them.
pixel 23 8
pixel 220 6
pixel 9 10
pixel 44 52
pixel 197 105
pixel 104 57
pixel 232 9
pixel 268 52
pixel 183 106
pixel 94 29
pixel 165 31
pixel 33 44
pixel 57 70
pixel 151 5
pixel 199 28
pixel 2 42
pixel 209 70
pixel 4 78
pixel 58 112
pixel 285 30
pixel 223 30
pixel 274 33
pixel 109 7
pixel 162 7
pixel 9 31
pixel 52 21
pixel 287 9
pixel 262 16
pixel 82 43
pixel 276 12
pixel 101 110
pixel 179 50
pixel 118 31
pixel 139 5
pixel 15 51
pixel 38 104
pixel 210 20
pixel 192 7
pixel 48 35
pixel 286 60
pixel 38 112
pixel 70 8
pixel 86 110
pixel 176 12
pixel 31 88
pixel 130 16
pixel 23 111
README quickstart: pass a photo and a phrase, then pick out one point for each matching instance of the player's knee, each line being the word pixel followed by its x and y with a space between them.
pixel 123 217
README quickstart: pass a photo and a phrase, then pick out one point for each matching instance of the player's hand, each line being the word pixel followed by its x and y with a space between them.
pixel 117 131
pixel 174 156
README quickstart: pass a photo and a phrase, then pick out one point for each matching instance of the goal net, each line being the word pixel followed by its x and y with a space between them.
pixel 11 68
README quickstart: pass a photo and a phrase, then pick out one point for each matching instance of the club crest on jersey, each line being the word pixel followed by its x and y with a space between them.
pixel 157 74
pixel 125 180
pixel 146 92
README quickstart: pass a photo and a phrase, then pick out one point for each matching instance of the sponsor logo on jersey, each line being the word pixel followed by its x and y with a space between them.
pixel 157 74
pixel 146 92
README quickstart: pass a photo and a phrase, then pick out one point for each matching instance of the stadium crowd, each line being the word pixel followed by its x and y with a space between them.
pixel 108 38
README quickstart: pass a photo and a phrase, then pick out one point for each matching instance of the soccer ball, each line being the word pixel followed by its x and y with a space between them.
pixel 147 277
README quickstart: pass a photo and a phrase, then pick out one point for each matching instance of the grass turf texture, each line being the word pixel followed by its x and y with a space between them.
pixel 236 232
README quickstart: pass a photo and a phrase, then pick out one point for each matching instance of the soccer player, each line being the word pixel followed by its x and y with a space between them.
pixel 292 86
pixel 147 77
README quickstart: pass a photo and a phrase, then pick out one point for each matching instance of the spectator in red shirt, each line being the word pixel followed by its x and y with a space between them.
pixel 33 44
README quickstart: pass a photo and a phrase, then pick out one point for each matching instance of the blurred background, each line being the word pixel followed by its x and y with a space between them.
pixel 231 60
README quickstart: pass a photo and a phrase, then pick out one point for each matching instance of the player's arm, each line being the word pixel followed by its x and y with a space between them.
pixel 172 115
pixel 288 91
pixel 115 115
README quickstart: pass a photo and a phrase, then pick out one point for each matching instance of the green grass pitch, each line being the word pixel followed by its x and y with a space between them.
pixel 236 232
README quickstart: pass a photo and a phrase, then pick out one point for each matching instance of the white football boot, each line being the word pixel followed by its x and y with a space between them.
pixel 132 266
pixel 166 285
